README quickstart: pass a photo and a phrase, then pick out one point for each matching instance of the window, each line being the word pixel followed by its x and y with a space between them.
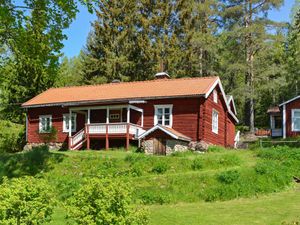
pixel 114 116
pixel 215 96
pixel 163 115
pixel 296 120
pixel 66 118
pixel 45 124
pixel 215 121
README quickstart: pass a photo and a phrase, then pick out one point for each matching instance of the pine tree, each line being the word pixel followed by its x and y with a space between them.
pixel 107 55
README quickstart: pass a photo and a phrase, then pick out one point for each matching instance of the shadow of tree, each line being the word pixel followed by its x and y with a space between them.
pixel 38 160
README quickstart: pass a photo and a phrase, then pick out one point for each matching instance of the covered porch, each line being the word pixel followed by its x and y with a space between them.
pixel 275 121
pixel 105 122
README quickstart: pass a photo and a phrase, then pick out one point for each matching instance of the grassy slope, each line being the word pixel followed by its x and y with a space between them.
pixel 181 188
pixel 270 209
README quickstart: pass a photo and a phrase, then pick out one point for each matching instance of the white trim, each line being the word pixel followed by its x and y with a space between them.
pixel 107 115
pixel 65 130
pixel 293 119
pixel 156 107
pixel 162 74
pixel 215 127
pixel 284 121
pixel 40 123
pixel 293 99
pixel 218 82
pixel 233 103
pixel 137 102
pixel 128 114
pixel 26 128
pixel 215 96
pixel 157 126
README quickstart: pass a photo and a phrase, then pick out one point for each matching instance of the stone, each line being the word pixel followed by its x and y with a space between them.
pixel 51 146
pixel 201 146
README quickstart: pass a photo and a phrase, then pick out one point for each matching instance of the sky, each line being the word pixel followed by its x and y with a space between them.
pixel 78 31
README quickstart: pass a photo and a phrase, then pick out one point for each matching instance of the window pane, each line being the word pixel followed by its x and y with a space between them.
pixel 159 121
pixel 167 122
pixel 167 110
pixel 297 124
pixel 297 114
pixel 159 111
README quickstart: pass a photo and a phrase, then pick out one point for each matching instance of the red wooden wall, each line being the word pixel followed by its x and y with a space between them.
pixel 292 105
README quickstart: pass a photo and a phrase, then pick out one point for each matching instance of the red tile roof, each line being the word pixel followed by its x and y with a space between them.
pixel 159 88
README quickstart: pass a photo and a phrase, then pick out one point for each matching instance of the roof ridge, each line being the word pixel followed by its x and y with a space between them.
pixel 131 82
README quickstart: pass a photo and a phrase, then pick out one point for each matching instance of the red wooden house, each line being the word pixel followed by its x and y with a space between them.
pixel 162 115
pixel 285 118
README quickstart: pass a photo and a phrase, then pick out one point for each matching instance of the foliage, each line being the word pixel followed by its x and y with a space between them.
pixel 12 137
pixel 229 176
pixel 25 200
pixel 104 201
pixel 160 167
pixel 48 136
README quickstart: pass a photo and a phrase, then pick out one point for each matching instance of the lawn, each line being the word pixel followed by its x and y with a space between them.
pixel 218 187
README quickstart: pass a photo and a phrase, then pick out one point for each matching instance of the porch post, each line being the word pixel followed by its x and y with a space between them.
pixel 70 128
pixel 142 119
pixel 128 114
pixel 89 116
pixel 127 136
pixel 106 138
pixel 107 114
pixel 284 121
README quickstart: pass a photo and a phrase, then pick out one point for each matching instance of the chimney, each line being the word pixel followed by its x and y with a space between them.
pixel 116 81
pixel 162 75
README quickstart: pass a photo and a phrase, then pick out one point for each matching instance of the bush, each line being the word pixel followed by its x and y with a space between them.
pixel 12 137
pixel 229 176
pixel 104 201
pixel 197 164
pixel 25 200
pixel 160 167
pixel 150 197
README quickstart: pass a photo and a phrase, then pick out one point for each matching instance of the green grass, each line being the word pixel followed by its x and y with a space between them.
pixel 183 188
pixel 273 209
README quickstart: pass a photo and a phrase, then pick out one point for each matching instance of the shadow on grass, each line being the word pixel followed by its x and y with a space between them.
pixel 30 163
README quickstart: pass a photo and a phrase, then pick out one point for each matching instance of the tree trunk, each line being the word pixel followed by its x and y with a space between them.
pixel 249 107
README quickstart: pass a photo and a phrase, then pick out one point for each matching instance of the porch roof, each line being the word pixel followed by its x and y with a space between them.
pixel 124 91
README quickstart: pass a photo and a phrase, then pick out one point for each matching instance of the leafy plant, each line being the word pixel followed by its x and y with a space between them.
pixel 104 201
pixel 25 200
pixel 160 167
pixel 229 176
pixel 50 136
pixel 197 164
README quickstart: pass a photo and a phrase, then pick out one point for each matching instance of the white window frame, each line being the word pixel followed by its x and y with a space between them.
pixel 293 119
pixel 65 122
pixel 215 96
pixel 215 127
pixel 41 117
pixel 170 107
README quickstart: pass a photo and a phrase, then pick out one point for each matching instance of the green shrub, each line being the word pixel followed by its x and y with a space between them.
pixel 151 197
pixel 25 200
pixel 229 176
pixel 104 201
pixel 197 164
pixel 12 137
pixel 160 167
pixel 137 170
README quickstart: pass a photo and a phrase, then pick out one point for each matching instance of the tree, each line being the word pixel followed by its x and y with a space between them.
pixel 247 22
pixel 25 200
pixel 69 72
pixel 104 201
pixel 107 55
pixel 32 35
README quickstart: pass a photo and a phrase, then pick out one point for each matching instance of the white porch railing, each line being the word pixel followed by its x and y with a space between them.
pixel 114 128
pixel 77 138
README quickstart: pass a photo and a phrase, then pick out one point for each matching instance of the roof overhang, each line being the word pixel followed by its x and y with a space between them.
pixel 170 133
pixel 87 102
pixel 291 100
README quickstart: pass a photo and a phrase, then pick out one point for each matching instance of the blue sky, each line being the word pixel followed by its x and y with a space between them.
pixel 78 31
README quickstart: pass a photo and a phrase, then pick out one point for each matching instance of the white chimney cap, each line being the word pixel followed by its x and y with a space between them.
pixel 162 74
